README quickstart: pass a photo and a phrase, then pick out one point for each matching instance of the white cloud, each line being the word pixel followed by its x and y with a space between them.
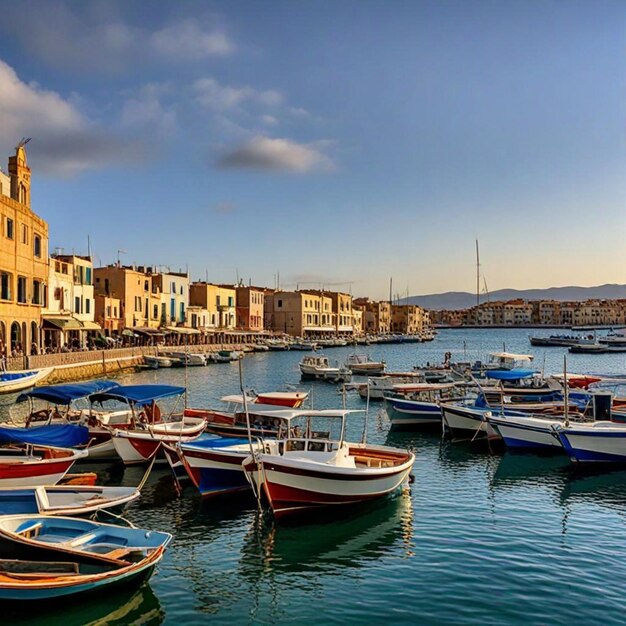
pixel 93 41
pixel 270 98
pixel 269 120
pixel 186 40
pixel 213 95
pixel 64 140
pixel 145 109
pixel 299 112
pixel 265 153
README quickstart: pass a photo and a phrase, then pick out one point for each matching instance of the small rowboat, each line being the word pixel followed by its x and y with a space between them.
pixel 35 466
pixel 51 557
pixel 10 382
pixel 64 499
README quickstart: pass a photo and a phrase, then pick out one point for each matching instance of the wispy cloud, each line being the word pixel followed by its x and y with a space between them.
pixel 211 94
pixel 64 140
pixel 66 36
pixel 145 109
pixel 276 155
pixel 224 207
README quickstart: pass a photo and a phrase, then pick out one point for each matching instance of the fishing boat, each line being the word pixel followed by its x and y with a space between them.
pixel 561 341
pixel 598 442
pixel 277 344
pixel 156 361
pixel 319 368
pixel 417 404
pixel 191 359
pixel 46 557
pixel 361 364
pixel 64 499
pixel 12 382
pixel 139 440
pixel 377 386
pixel 34 466
pixel 302 344
pixel 310 468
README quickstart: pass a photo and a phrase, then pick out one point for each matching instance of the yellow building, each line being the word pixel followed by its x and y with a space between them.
pixel 23 261
pixel 250 308
pixel 218 300
pixel 407 319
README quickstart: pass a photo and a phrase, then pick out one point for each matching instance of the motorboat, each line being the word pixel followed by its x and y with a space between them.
pixel 361 364
pixel 156 361
pixel 34 466
pixel 319 368
pixel 64 499
pixel 302 344
pixel 377 386
pixel 417 404
pixel 139 440
pixel 277 344
pixel 190 359
pixel 12 382
pixel 597 442
pixel 313 467
pixel 562 341
pixel 45 557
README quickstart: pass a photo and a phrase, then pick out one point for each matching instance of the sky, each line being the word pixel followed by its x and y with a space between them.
pixel 334 144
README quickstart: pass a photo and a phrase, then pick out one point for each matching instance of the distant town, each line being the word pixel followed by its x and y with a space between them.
pixel 54 302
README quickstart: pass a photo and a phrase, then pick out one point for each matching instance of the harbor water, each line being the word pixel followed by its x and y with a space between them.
pixel 477 538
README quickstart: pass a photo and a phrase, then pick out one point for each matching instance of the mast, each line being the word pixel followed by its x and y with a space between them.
pixel 477 275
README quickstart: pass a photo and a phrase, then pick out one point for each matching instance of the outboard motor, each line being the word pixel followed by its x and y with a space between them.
pixel 602 403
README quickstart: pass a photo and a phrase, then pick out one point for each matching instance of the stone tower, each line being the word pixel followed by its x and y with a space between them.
pixel 20 175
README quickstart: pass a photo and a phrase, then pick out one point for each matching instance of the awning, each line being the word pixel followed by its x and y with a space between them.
pixel 145 330
pixel 91 326
pixel 128 333
pixel 63 323
pixel 183 330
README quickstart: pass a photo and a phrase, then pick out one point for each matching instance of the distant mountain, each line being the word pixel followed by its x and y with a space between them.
pixel 453 300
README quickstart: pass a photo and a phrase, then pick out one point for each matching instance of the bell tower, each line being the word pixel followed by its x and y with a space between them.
pixel 20 174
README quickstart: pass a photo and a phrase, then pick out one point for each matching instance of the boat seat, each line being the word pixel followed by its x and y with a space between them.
pixel 81 539
pixel 29 529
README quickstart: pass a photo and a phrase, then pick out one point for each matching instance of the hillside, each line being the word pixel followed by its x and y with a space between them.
pixel 452 300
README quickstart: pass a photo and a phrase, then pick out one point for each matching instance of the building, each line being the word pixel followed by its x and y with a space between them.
pixel 218 300
pixel 174 297
pixel 250 307
pixel 69 317
pixel 139 300
pixel 108 314
pixel 376 316
pixel 299 313
pixel 23 261
pixel 407 319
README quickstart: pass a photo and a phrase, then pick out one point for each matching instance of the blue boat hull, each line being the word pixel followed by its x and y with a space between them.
pixel 411 413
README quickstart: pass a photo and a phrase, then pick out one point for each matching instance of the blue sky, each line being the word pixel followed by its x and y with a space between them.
pixel 338 143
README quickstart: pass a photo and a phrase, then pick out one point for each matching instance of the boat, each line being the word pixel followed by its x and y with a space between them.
pixel 377 386
pixel 417 404
pixel 191 359
pixel 597 348
pixel 260 347
pixel 302 344
pixel 361 364
pixel 44 557
pixel 319 368
pixel 598 442
pixel 34 466
pixel 156 361
pixel 277 344
pixel 11 382
pixel 139 440
pixel 614 338
pixel 310 468
pixel 64 499
pixel 226 356
pixel 561 341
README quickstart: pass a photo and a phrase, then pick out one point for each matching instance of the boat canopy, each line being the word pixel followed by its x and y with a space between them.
pixel 509 356
pixel 64 394
pixel 53 435
pixel 423 386
pixel 515 374
pixel 138 394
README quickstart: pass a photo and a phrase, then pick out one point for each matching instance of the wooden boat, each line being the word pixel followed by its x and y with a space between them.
pixel 64 499
pixel 11 382
pixel 47 557
pixel 361 364
pixel 155 361
pixel 376 387
pixel 311 469
pixel 319 368
pixel 33 466
pixel 231 422
pixel 598 442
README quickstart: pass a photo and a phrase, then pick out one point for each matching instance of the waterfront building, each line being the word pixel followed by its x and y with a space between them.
pixel 218 300
pixel 376 316
pixel 198 318
pixel 250 307
pixel 517 313
pixel 407 319
pixel 69 316
pixel 140 300
pixel 108 314
pixel 357 320
pixel 300 313
pixel 173 288
pixel 23 261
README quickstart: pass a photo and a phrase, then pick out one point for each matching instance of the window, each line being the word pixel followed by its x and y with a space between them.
pixel 138 304
pixel 5 286
pixel 145 286
pixel 36 292
pixel 115 312
pixel 37 246
pixel 155 311
pixel 182 312
pixel 280 304
pixel 21 289
pixel 108 311
pixel 63 268
pixel 87 276
pixel 87 305
pixel 24 234
pixel 9 231
pixel 77 305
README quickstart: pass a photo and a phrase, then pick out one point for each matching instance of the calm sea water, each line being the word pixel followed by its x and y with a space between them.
pixel 476 539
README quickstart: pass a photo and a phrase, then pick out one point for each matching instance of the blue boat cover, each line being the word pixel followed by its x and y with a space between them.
pixel 55 435
pixel 214 441
pixel 138 394
pixel 9 376
pixel 64 394
pixel 514 374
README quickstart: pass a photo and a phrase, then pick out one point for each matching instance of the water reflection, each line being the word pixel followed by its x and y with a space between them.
pixel 140 607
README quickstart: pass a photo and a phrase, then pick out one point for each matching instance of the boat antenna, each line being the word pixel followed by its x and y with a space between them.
pixel 477 275
pixel 186 370
pixel 367 411
pixel 566 389
pixel 245 406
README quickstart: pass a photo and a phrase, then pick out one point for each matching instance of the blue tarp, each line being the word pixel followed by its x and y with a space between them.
pixel 56 435
pixel 64 394
pixel 514 374
pixel 138 394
